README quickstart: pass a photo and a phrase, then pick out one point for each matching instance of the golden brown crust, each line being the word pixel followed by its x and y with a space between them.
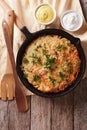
pixel 51 63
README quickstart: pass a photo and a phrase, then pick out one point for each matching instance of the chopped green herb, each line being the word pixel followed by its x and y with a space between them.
pixel 33 55
pixel 25 75
pixel 36 49
pixel 56 53
pixel 33 61
pixel 56 67
pixel 38 60
pixel 69 44
pixel 76 63
pixel 62 76
pixel 49 59
pixel 60 47
pixel 48 67
pixel 67 80
pixel 49 62
pixel 52 80
pixel 63 69
pixel 39 46
pixel 69 64
pixel 70 71
pixel 25 60
pixel 43 51
pixel 63 47
pixel 37 78
pixel 44 45
pixel 59 81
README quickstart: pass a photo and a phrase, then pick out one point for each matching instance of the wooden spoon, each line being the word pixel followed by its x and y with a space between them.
pixel 7 82
pixel 20 96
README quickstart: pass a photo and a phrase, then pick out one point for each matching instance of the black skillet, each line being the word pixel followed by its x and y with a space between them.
pixel 32 36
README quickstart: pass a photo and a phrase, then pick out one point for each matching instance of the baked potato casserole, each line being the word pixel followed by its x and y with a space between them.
pixel 51 63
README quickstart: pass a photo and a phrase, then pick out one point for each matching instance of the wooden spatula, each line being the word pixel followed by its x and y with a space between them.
pixel 7 82
pixel 20 96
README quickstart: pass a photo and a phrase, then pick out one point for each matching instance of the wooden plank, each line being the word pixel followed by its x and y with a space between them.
pixel 84 8
pixel 80 106
pixel 40 113
pixel 3 115
pixel 62 113
pixel 17 120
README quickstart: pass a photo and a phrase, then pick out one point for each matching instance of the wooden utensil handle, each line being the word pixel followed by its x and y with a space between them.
pixel 19 94
pixel 7 8
pixel 10 21
pixel 9 46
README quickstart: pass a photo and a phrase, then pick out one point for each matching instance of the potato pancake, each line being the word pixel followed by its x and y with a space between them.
pixel 51 63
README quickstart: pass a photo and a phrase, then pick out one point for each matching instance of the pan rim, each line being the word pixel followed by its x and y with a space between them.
pixel 74 84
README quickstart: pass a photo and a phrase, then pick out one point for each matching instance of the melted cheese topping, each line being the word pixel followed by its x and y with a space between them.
pixel 51 63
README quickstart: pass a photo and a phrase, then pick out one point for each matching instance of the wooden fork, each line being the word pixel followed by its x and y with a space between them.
pixel 20 95
pixel 7 82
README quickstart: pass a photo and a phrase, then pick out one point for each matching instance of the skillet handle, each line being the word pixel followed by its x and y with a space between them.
pixel 26 32
pixel 22 27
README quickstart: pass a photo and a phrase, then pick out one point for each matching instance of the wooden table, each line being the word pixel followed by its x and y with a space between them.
pixel 65 113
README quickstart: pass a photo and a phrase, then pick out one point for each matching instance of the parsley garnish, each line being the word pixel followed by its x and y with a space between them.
pixel 49 62
pixel 43 51
pixel 25 60
pixel 52 80
pixel 25 75
pixel 69 64
pixel 76 63
pixel 36 78
pixel 36 59
pixel 61 47
pixel 70 71
pixel 39 46
pixel 62 76
pixel 33 55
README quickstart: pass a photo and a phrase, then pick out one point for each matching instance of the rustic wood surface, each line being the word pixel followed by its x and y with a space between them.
pixel 84 8
pixel 65 113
